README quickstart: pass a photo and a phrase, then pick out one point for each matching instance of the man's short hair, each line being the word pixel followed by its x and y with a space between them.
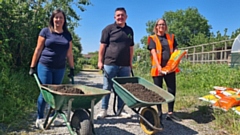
pixel 121 9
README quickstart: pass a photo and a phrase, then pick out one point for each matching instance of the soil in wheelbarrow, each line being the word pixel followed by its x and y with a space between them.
pixel 142 93
pixel 68 89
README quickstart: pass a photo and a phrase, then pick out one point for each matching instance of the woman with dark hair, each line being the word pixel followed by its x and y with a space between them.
pixel 54 46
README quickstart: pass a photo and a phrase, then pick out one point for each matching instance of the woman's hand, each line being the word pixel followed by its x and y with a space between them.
pixel 159 69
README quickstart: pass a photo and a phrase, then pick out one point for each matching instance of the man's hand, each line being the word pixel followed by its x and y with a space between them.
pixel 100 65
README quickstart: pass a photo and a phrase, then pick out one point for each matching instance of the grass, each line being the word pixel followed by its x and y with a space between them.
pixel 196 80
pixel 18 94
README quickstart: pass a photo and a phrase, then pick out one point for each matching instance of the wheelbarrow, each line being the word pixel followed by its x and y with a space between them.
pixel 149 119
pixel 82 119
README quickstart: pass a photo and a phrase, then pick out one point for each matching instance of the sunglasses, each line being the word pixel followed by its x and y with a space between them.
pixel 161 24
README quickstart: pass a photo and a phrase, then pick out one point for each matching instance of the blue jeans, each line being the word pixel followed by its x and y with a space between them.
pixel 113 71
pixel 47 76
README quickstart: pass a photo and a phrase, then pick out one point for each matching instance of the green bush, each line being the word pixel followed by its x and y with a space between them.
pixel 18 94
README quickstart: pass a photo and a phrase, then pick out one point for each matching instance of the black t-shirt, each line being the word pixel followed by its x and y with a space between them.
pixel 118 41
pixel 165 48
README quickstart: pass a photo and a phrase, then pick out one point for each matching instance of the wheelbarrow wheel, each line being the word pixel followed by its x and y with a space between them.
pixel 80 123
pixel 152 117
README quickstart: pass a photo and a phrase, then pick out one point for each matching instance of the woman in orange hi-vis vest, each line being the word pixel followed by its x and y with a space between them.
pixel 161 46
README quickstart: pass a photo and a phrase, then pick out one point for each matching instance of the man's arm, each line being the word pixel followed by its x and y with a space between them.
pixel 131 55
pixel 100 55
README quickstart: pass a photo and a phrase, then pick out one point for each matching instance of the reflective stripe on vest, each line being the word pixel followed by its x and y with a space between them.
pixel 170 39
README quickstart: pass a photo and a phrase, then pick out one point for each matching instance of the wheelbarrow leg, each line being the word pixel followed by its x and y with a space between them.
pixel 91 115
pixel 119 111
pixel 69 109
pixel 67 118
pixel 159 108
pixel 45 126
pixel 114 103
pixel 67 123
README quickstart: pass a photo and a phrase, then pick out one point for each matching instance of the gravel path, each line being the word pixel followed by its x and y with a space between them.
pixel 113 125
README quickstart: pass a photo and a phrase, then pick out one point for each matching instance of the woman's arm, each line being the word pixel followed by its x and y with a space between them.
pixel 158 63
pixel 38 51
pixel 70 55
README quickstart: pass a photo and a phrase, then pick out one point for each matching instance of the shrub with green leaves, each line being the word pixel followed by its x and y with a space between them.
pixel 18 94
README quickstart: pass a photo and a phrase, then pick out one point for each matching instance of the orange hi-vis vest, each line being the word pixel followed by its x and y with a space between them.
pixel 170 39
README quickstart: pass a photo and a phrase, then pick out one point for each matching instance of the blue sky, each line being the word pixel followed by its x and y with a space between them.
pixel 220 14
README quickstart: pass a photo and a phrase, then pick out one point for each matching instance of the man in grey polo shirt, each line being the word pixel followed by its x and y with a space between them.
pixel 115 55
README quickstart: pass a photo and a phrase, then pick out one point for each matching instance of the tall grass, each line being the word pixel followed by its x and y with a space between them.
pixel 196 80
pixel 18 98
pixel 18 93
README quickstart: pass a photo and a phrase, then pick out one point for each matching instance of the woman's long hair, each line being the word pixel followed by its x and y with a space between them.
pixel 51 24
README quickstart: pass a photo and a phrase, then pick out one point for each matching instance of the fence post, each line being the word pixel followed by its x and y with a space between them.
pixel 194 49
pixel 202 54
pixel 225 53
pixel 213 48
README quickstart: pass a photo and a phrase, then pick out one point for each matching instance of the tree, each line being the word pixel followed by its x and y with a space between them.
pixel 20 23
pixel 93 61
pixel 186 24
pixel 235 33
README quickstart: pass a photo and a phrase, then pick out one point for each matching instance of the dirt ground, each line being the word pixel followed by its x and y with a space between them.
pixel 142 93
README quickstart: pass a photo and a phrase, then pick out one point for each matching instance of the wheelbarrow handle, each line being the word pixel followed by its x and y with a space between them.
pixel 72 78
pixel 132 72
pixel 37 80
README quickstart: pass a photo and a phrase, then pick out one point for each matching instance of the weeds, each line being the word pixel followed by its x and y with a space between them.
pixel 18 95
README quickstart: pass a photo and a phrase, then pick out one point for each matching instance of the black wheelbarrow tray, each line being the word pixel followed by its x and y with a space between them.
pixel 149 118
pixel 82 119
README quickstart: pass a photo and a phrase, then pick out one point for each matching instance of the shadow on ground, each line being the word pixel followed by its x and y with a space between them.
pixel 170 127
pixel 111 130
pixel 203 114
pixel 87 79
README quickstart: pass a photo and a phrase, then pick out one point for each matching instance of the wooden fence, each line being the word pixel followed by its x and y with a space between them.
pixel 215 52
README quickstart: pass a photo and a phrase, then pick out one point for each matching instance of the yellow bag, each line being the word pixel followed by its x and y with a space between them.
pixel 209 98
pixel 174 61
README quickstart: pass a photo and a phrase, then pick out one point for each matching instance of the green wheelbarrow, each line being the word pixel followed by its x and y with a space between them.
pixel 149 119
pixel 82 119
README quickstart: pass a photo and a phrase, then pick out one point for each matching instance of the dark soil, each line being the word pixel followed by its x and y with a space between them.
pixel 68 89
pixel 142 93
